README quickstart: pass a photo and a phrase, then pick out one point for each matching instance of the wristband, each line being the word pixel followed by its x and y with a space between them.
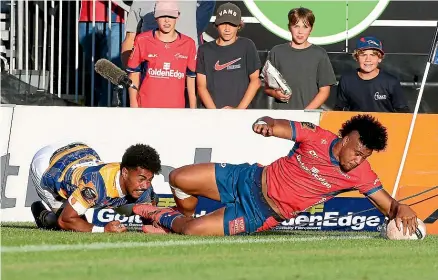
pixel 261 122
pixel 97 229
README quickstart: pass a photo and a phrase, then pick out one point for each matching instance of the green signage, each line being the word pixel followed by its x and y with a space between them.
pixel 335 20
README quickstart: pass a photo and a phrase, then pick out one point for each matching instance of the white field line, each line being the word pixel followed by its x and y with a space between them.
pixel 169 243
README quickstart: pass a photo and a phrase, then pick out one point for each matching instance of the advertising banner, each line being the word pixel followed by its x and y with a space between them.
pixel 180 136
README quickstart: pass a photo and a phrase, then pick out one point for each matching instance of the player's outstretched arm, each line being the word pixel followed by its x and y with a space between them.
pixel 72 221
pixel 392 209
pixel 268 126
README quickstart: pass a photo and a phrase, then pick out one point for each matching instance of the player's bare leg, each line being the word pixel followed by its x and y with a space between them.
pixel 211 224
pixel 190 181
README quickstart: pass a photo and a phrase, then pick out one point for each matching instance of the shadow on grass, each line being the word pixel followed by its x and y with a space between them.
pixel 20 226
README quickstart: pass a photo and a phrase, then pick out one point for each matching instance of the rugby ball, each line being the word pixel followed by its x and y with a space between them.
pixel 390 231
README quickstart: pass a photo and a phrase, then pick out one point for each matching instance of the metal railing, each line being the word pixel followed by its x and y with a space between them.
pixel 44 35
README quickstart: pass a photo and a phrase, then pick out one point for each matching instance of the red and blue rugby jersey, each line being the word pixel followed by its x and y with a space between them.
pixel 167 66
pixel 310 174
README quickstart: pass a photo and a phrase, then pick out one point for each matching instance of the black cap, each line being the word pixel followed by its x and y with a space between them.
pixel 228 13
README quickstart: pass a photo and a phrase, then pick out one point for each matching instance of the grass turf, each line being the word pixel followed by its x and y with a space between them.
pixel 279 255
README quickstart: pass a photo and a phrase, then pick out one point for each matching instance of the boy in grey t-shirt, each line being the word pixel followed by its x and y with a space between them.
pixel 305 67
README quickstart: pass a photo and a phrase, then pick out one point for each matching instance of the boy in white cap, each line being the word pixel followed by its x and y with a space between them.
pixel 170 58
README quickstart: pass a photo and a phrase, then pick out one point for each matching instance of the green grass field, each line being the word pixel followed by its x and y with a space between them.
pixel 28 253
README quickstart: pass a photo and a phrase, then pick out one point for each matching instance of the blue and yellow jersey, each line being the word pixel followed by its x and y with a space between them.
pixel 76 173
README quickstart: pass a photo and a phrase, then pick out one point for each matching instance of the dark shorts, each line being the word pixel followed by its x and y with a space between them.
pixel 246 209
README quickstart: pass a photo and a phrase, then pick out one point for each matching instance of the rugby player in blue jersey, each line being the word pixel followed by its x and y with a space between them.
pixel 71 178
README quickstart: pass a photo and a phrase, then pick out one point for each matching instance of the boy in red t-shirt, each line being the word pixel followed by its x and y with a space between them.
pixel 171 60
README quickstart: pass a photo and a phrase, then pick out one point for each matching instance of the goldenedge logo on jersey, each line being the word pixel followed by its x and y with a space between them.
pixel 165 74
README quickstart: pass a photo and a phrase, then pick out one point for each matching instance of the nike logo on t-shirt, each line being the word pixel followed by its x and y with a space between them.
pixel 219 67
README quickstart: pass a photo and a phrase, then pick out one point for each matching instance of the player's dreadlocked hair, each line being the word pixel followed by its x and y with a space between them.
pixel 372 133
pixel 142 156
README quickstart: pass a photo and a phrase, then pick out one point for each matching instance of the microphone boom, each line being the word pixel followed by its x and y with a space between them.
pixel 112 73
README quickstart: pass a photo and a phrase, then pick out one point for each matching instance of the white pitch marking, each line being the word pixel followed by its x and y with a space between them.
pixel 102 246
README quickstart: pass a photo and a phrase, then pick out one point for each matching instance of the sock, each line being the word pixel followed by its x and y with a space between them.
pixel 167 219
pixel 37 208
pixel 49 220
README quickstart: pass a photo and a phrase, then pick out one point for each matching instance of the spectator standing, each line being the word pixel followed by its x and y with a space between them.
pixel 108 39
pixel 170 57
pixel 228 67
pixel 195 15
pixel 368 88
pixel 305 66
pixel 204 12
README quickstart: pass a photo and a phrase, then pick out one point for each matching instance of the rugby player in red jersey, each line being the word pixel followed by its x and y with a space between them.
pixel 319 166
pixel 170 59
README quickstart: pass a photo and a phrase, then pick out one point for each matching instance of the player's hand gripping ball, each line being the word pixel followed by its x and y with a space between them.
pixel 390 231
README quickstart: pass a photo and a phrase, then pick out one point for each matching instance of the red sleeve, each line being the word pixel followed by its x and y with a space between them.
pixel 370 182
pixel 304 131
pixel 135 59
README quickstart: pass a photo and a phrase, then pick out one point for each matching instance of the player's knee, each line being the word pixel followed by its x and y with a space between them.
pixel 173 177
pixel 174 181
pixel 180 177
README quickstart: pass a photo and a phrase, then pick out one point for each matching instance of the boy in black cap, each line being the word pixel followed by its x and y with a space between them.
pixel 368 88
pixel 228 67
